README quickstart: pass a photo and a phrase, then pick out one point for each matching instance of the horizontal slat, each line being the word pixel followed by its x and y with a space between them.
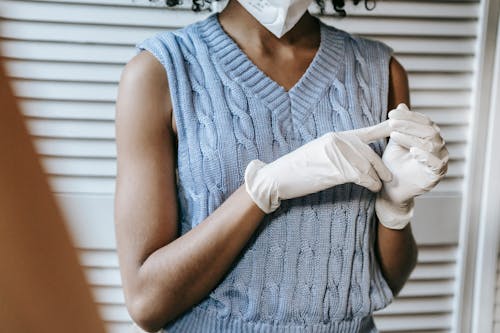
pixel 440 81
pixel 429 304
pixel 444 99
pixel 60 71
pixel 129 34
pixel 110 73
pixel 119 54
pixel 439 9
pixel 108 295
pixel 112 327
pixel 114 313
pixel 98 259
pixel 441 254
pixel 105 186
pixel 446 116
pixel 437 254
pixel 456 168
pixel 52 51
pixel 107 92
pixel 100 186
pixel 119 313
pixel 94 167
pixel 80 167
pixel 450 185
pixel 429 9
pixel 413 323
pixel 456 150
pixel 434 63
pixel 403 26
pixel 68 109
pixel 69 128
pixel 435 104
pixel 105 167
pixel 428 288
pixel 105 110
pixel 418 306
pixel 76 148
pixel 67 91
pixel 104 276
pixel 81 13
pixel 107 277
pixel 84 129
pixel 103 148
pixel 425 331
pixel 433 45
pixel 77 33
pixel 186 4
pixel 91 14
pixel 434 271
pixel 82 185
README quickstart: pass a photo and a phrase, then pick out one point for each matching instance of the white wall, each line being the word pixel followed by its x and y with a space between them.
pixel 65 58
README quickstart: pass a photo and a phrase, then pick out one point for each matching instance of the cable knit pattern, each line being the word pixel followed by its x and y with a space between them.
pixel 310 266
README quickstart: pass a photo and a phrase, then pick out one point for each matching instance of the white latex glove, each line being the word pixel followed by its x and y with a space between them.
pixel 418 159
pixel 332 159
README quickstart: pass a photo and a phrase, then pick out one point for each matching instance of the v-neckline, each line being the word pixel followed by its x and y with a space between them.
pixel 303 94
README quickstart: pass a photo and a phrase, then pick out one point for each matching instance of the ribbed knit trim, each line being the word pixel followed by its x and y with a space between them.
pixel 205 321
pixel 305 93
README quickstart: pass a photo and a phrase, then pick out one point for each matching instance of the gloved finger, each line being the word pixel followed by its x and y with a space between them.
pixel 371 181
pixel 405 114
pixel 409 141
pixel 434 163
pixel 436 127
pixel 415 129
pixel 373 133
pixel 382 170
pixel 445 157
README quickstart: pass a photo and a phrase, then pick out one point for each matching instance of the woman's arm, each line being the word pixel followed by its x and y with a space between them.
pixel 396 249
pixel 163 275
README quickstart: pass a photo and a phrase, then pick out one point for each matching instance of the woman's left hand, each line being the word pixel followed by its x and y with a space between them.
pixel 418 159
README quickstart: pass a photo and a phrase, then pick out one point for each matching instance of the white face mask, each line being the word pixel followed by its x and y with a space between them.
pixel 279 16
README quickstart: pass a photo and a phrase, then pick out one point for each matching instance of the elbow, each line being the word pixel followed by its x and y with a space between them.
pixel 146 314
pixel 142 317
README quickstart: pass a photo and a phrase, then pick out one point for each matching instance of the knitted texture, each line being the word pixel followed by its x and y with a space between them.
pixel 310 266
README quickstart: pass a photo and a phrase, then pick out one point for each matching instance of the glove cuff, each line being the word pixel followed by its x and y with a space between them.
pixel 261 189
pixel 393 215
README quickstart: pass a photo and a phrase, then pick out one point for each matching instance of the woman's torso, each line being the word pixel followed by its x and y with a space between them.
pixel 311 264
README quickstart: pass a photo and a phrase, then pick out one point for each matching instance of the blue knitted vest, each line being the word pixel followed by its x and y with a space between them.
pixel 310 266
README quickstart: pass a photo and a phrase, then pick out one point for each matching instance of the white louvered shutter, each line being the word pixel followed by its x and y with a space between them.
pixel 65 59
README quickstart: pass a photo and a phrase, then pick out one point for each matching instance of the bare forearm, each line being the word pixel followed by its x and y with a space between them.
pixel 397 253
pixel 180 274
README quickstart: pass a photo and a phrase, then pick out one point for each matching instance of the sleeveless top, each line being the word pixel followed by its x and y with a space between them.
pixel 310 266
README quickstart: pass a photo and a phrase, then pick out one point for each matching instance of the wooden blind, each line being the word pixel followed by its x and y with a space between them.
pixel 65 58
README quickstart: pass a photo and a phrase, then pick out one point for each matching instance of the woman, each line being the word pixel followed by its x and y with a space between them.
pixel 229 100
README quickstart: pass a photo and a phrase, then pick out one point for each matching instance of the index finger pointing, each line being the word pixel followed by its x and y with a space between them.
pixel 373 133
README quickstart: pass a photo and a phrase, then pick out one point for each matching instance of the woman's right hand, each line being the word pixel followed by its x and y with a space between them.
pixel 332 159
